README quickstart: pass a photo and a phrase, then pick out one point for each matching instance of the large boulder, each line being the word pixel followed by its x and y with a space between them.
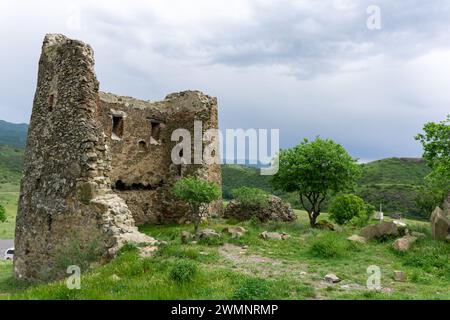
pixel 277 210
pixel 382 230
pixel 440 225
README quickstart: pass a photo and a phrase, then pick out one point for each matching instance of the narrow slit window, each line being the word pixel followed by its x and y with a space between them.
pixel 155 130
pixel 117 128
pixel 51 101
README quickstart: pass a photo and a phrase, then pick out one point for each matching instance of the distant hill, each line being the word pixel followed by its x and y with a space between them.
pixel 395 171
pixel 10 164
pixel 12 134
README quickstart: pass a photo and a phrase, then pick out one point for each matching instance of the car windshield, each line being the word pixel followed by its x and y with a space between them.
pixel 10 252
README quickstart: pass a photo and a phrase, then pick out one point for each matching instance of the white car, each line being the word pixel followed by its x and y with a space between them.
pixel 9 254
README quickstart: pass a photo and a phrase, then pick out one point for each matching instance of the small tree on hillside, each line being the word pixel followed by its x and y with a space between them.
pixel 197 193
pixel 436 145
pixel 2 214
pixel 314 170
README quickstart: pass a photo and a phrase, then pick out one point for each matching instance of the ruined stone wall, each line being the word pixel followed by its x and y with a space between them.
pixel 139 137
pixel 65 196
pixel 95 163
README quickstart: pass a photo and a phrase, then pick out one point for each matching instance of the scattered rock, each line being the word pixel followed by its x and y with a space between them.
pixel 147 252
pixel 399 276
pixel 277 210
pixel 274 236
pixel 403 244
pixel 115 277
pixel 208 234
pixel 356 238
pixel 440 225
pixel 235 232
pixel 332 278
pixel 186 237
pixel 381 230
pixel 325 225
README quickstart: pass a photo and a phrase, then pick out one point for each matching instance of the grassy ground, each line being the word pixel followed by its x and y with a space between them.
pixel 252 268
pixel 9 195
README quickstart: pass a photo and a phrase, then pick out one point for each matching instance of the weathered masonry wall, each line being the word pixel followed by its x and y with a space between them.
pixel 139 138
pixel 95 162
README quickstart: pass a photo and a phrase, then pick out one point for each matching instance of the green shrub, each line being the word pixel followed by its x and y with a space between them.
pixel 251 198
pixel 2 214
pixel 348 207
pixel 329 245
pixel 183 271
pixel 252 289
pixel 196 193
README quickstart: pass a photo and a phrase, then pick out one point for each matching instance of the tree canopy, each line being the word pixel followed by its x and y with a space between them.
pixel 315 169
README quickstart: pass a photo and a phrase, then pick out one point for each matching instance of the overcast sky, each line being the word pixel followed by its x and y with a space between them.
pixel 306 67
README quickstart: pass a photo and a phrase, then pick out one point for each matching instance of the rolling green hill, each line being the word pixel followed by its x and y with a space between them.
pixel 14 135
pixel 10 164
pixel 409 171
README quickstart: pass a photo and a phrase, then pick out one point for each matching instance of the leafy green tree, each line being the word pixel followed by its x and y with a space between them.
pixel 2 214
pixel 436 145
pixel 251 198
pixel 315 170
pixel 349 207
pixel 197 193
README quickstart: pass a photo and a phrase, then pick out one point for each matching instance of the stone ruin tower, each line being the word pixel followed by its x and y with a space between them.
pixel 96 164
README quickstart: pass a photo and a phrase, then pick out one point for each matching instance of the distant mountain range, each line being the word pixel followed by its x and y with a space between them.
pixel 14 135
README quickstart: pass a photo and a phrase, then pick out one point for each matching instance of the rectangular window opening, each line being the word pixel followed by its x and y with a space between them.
pixel 117 129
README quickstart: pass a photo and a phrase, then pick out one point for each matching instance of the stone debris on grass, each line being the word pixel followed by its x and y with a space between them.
pixel 356 238
pixel 115 277
pixel 208 234
pixel 332 278
pixel 186 236
pixel 274 236
pixel 404 243
pixel 235 232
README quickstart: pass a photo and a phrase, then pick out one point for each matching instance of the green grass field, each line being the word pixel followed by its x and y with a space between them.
pixel 9 195
pixel 253 268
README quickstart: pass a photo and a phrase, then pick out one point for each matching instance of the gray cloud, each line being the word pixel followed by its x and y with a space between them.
pixel 307 67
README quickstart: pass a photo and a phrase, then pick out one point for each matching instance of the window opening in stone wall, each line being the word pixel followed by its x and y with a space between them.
pixel 117 129
pixel 155 131
pixel 51 101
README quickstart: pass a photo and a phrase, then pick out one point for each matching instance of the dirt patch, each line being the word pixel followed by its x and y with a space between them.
pixel 259 266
